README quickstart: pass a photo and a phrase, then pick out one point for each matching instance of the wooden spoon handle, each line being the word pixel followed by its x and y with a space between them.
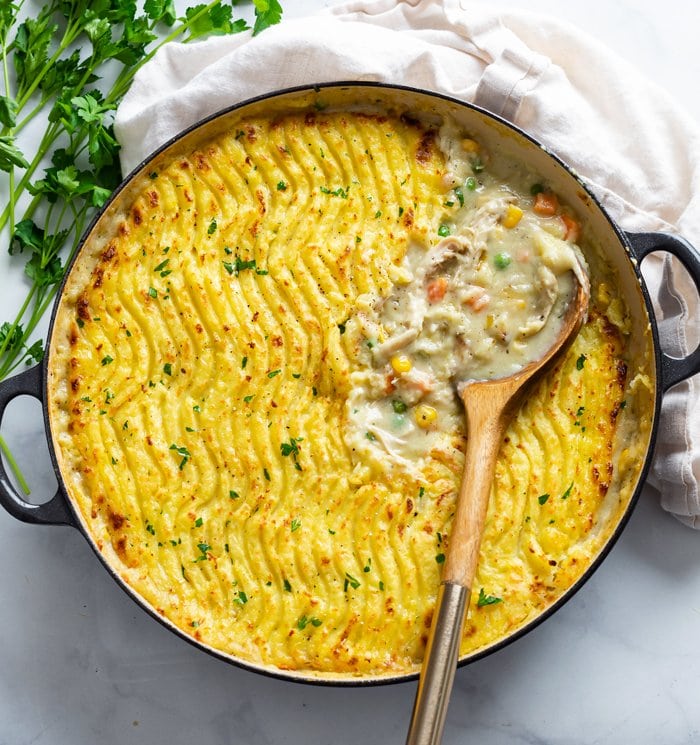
pixel 486 408
pixel 486 422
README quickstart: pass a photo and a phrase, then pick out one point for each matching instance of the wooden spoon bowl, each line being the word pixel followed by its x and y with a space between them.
pixel 489 406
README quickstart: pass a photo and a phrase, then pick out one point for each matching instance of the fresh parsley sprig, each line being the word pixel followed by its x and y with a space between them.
pixel 54 68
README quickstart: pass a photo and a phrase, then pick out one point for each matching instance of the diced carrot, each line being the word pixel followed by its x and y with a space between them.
pixel 573 228
pixel 437 289
pixel 546 204
pixel 390 386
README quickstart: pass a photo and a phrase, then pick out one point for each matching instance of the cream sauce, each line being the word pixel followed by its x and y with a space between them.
pixel 481 302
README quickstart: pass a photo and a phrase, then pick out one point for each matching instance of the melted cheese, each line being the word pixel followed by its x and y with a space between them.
pixel 201 378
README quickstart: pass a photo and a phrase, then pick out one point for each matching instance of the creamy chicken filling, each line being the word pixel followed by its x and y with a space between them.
pixel 481 302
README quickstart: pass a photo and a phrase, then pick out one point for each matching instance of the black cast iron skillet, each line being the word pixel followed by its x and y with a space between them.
pixel 626 249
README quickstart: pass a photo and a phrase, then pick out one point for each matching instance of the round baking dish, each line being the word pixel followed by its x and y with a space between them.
pixel 624 251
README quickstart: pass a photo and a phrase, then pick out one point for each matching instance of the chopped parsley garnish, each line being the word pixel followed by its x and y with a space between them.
pixel 244 362
pixel 460 195
pixel 249 398
pixel 377 214
pixel 161 266
pixel 292 448
pixel 296 524
pixel 350 581
pixel 440 558
pixel 197 408
pixel 272 373
pixel 212 228
pixel 106 360
pixel 543 498
pixel 233 494
pixel 341 328
pixel 566 494
pixel 485 599
pixel 470 183
pixel 421 491
pixel 168 368
pixel 398 406
pixel 239 265
pixel 184 452
pixel 339 192
pixel 266 474
pixel 149 527
pixel 203 549
pixel 580 362
pixel 241 598
pixel 370 436
pixel 287 586
pixel 281 186
pixel 303 622
pixel 198 522
pixel 153 292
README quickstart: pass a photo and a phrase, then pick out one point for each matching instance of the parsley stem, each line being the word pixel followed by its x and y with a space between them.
pixel 24 486
pixel 125 77
pixel 70 35
pixel 11 174
pixel 15 324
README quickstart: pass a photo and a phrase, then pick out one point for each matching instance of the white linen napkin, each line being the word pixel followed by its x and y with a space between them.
pixel 638 151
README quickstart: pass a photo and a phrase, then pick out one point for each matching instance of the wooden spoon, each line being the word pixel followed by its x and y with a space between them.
pixel 489 406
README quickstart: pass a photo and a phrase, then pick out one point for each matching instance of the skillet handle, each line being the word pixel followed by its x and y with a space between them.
pixel 673 369
pixel 53 512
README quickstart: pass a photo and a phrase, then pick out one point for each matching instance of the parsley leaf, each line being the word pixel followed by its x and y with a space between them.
pixel 485 599
pixel 267 13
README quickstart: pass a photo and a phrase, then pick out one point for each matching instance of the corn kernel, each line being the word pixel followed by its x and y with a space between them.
pixel 401 364
pixel 425 416
pixel 512 216
pixel 470 146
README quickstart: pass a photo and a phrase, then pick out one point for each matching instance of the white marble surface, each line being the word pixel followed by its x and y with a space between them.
pixel 620 663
